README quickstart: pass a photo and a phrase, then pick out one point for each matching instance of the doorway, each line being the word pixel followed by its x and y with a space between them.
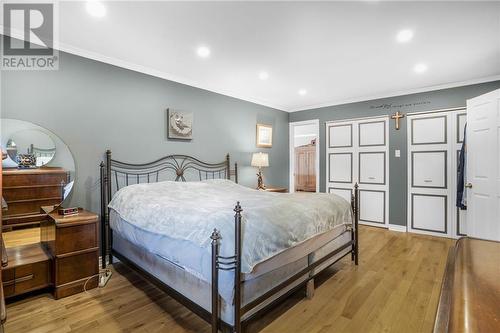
pixel 304 156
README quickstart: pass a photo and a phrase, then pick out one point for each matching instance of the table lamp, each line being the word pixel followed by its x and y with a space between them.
pixel 260 160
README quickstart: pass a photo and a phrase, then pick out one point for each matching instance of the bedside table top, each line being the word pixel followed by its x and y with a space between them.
pixel 83 217
pixel 276 189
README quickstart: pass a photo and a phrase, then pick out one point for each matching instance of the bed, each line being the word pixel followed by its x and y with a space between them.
pixel 178 221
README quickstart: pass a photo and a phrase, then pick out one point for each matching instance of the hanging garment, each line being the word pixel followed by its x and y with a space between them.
pixel 461 176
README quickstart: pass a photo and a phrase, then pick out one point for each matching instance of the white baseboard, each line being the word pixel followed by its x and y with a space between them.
pixel 398 228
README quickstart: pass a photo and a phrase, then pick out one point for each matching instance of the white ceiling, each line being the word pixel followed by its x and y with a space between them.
pixel 337 51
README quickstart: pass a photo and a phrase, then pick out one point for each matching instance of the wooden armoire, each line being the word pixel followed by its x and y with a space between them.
pixel 305 168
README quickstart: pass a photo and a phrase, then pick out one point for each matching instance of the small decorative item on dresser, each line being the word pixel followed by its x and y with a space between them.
pixel 26 161
pixel 260 160
pixel 264 136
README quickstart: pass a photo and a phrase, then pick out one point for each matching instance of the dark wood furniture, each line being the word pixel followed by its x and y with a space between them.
pixel 4 258
pixel 276 189
pixel 28 269
pixel 112 171
pixel 71 241
pixel 305 168
pixel 470 292
pixel 27 190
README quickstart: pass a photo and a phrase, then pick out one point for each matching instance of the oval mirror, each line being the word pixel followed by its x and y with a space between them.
pixel 38 172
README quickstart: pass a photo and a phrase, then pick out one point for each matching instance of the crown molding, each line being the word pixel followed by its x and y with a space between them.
pixel 398 93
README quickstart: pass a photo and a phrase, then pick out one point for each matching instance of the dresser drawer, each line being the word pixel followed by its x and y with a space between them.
pixel 26 179
pixel 76 267
pixel 31 206
pixel 32 192
pixel 25 278
pixel 32 276
pixel 76 238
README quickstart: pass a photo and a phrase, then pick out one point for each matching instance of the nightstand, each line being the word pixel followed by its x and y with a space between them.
pixel 276 189
pixel 72 243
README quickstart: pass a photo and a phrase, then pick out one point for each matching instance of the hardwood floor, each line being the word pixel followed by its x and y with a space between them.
pixel 395 288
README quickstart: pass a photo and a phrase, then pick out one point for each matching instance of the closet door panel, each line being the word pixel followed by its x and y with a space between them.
pixel 461 120
pixel 372 168
pixel 429 130
pixel 372 206
pixel 429 169
pixel 357 152
pixel 340 167
pixel 372 134
pixel 342 192
pixel 429 212
pixel 340 136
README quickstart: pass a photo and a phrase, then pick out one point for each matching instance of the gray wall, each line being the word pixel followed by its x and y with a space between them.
pixel 94 106
pixel 440 99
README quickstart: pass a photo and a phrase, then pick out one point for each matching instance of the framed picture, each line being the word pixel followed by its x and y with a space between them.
pixel 180 125
pixel 264 136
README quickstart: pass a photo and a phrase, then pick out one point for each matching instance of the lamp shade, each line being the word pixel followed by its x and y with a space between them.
pixel 260 160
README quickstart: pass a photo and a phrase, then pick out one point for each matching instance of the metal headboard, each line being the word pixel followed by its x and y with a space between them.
pixel 42 152
pixel 116 174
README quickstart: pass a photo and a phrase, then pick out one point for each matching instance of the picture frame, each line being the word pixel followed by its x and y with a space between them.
pixel 180 125
pixel 264 137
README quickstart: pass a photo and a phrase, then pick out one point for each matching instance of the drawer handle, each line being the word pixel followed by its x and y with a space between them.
pixel 371 178
pixel 18 280
pixel 427 180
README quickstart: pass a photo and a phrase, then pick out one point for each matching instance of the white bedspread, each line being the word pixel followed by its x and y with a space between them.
pixel 189 211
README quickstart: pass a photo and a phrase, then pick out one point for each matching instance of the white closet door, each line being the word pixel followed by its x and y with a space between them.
pixel 460 215
pixel 357 152
pixel 483 162
pixel 434 142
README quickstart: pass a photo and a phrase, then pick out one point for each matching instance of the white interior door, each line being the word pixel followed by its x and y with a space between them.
pixel 357 152
pixel 483 164
pixel 434 142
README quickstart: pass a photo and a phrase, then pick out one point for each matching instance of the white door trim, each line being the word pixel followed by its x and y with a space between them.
pixel 292 151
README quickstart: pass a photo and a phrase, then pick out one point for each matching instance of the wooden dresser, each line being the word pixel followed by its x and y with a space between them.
pixel 470 293
pixel 27 190
pixel 305 168
pixel 72 242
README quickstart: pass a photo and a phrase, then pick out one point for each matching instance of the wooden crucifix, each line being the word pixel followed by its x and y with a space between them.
pixel 396 118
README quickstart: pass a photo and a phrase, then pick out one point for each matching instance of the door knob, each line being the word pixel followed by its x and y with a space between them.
pixel 468 185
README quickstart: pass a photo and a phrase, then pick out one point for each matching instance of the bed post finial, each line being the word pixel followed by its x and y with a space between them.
pixel 215 280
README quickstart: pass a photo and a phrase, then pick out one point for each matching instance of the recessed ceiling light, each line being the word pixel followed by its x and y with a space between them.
pixel 203 51
pixel 263 75
pixel 404 35
pixel 420 68
pixel 96 8
pixel 302 92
